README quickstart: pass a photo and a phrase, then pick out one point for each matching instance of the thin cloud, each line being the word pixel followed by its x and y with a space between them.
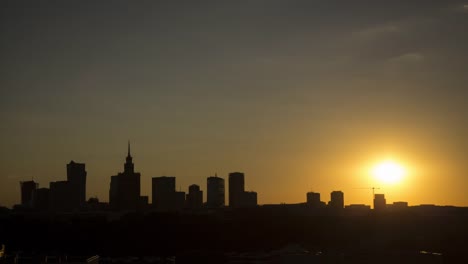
pixel 407 58
pixel 377 31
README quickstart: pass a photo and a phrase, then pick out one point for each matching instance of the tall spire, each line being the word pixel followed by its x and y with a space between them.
pixel 128 155
pixel 129 164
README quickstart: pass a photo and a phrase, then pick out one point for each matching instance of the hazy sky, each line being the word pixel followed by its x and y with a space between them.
pixel 300 95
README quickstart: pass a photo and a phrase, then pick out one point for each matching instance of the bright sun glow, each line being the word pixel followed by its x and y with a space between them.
pixel 389 172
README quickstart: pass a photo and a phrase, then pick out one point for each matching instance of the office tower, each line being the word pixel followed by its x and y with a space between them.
pixel 60 196
pixel 249 199
pixel 337 200
pixel 215 195
pixel 379 202
pixel 236 189
pixel 163 193
pixel 124 193
pixel 194 197
pixel 27 190
pixel 313 199
pixel 76 176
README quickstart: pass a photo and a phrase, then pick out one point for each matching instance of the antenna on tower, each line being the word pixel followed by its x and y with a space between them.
pixel 129 147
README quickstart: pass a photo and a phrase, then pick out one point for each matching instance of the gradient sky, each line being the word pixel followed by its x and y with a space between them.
pixel 300 95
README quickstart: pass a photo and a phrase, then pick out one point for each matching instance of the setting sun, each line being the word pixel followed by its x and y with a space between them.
pixel 389 172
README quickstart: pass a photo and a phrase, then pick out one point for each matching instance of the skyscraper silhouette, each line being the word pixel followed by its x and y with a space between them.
pixel 215 192
pixel 194 197
pixel 163 193
pixel 27 191
pixel 76 176
pixel 124 193
pixel 236 189
pixel 60 196
pixel 336 200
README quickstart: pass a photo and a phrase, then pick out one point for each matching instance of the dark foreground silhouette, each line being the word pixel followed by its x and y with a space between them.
pixel 220 236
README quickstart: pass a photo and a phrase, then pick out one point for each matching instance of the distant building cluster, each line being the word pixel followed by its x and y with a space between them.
pixel 337 203
pixel 61 195
pixel 125 192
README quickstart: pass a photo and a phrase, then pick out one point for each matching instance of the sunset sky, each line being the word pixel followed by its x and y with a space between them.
pixel 300 95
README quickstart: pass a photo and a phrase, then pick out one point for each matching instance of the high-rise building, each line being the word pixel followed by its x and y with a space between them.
pixel 313 199
pixel 215 192
pixel 194 197
pixel 76 176
pixel 236 189
pixel 27 191
pixel 379 202
pixel 163 193
pixel 124 193
pixel 60 196
pixel 336 200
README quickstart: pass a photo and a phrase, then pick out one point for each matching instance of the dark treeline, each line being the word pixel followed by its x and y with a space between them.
pixel 140 234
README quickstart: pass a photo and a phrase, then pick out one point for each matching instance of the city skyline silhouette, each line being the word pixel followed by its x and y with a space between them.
pixel 302 96
pixel 127 184
pixel 264 131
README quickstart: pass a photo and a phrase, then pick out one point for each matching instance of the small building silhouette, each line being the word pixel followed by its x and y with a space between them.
pixel 379 202
pixel 399 205
pixel 249 199
pixel 313 200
